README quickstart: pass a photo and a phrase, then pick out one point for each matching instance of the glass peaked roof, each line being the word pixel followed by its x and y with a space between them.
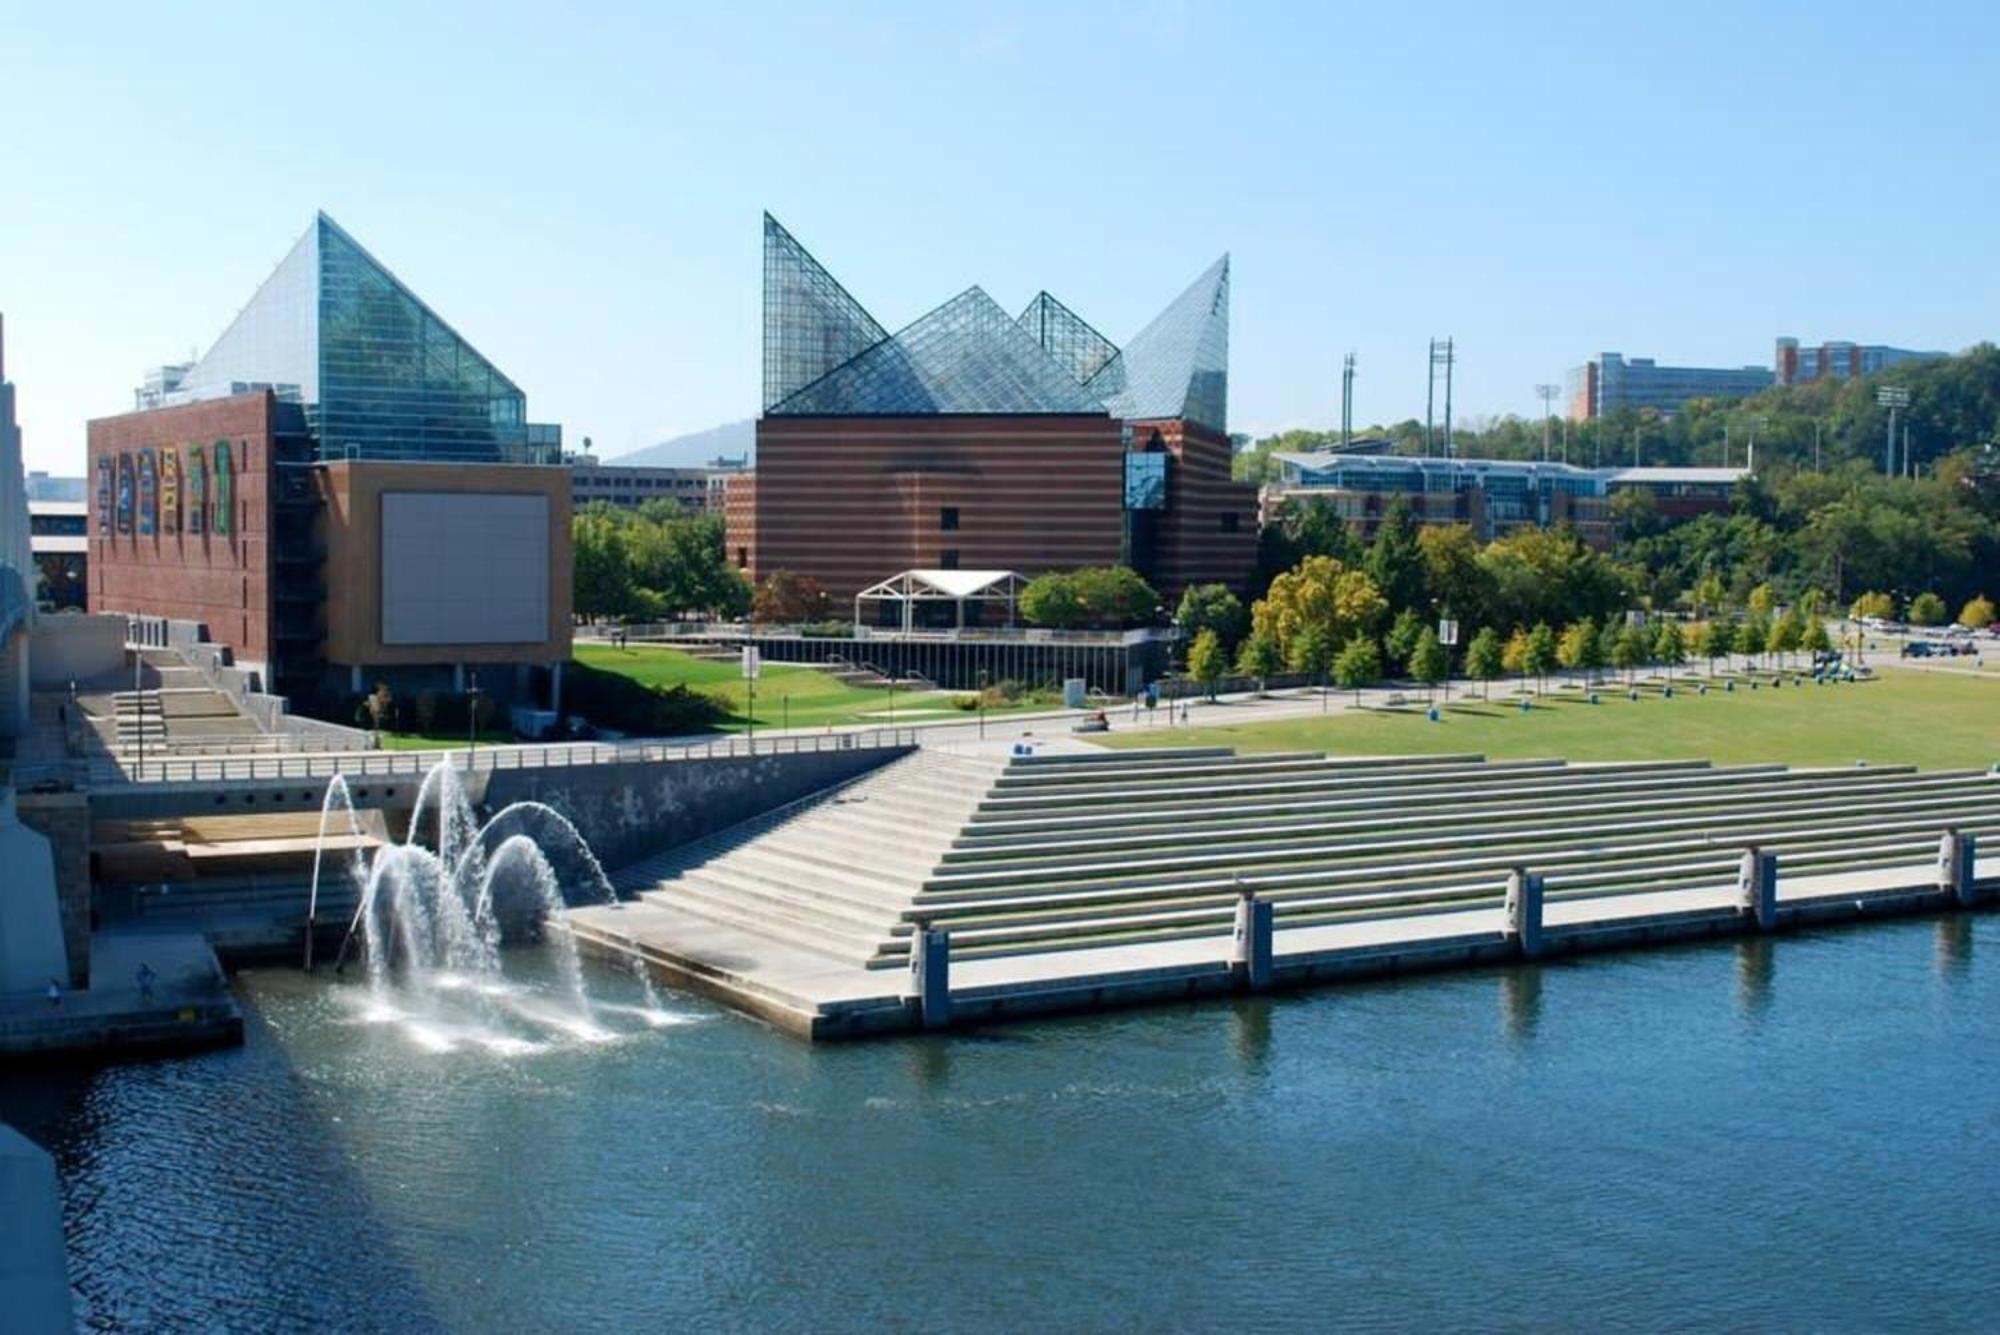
pixel 1065 336
pixel 380 374
pixel 825 356
pixel 967 356
pixel 811 325
pixel 1177 366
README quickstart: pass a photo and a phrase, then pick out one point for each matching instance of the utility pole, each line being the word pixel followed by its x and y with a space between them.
pixel 1347 402
pixel 1894 398
pixel 1547 394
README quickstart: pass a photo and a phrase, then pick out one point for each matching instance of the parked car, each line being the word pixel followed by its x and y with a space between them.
pixel 1918 649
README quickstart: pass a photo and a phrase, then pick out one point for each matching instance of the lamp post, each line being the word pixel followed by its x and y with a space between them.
pixel 471 722
pixel 982 704
pixel 1894 398
pixel 1547 394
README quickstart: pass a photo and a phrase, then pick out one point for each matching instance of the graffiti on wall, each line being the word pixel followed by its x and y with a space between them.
pixel 125 487
pixel 104 470
pixel 170 490
pixel 149 494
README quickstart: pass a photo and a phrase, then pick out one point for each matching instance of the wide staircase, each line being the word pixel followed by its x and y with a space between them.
pixel 1059 852
pixel 174 709
pixel 834 873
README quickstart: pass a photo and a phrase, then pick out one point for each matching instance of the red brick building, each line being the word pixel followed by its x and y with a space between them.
pixel 974 439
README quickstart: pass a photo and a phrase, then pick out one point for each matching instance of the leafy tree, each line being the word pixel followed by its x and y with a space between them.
pixel 785 597
pixel 1429 662
pixel 1258 657
pixel 1670 647
pixel 1786 634
pixel 1396 560
pixel 1577 649
pixel 1404 633
pixel 1718 640
pixel 1977 614
pixel 1206 662
pixel 1816 640
pixel 1211 607
pixel 1322 594
pixel 1607 645
pixel 1052 600
pixel 601 567
pixel 1313 650
pixel 1631 651
pixel 1485 659
pixel 1543 652
pixel 1879 606
pixel 1515 657
pixel 1115 597
pixel 1763 599
pixel 1927 609
pixel 1359 663
pixel 1753 635
pixel 1709 595
pixel 1454 577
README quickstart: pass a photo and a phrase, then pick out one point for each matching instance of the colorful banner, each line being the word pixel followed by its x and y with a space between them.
pixel 225 490
pixel 197 491
pixel 170 490
pixel 125 488
pixel 149 494
pixel 104 472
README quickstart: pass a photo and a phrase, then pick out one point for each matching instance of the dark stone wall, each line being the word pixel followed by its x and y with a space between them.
pixel 631 811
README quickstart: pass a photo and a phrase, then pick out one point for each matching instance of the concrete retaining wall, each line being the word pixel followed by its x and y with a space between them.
pixel 34 1273
pixel 64 820
pixel 632 811
pixel 73 646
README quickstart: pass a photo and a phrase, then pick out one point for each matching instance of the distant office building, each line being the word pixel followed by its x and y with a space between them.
pixel 1795 365
pixel 697 490
pixel 42 487
pixel 1493 497
pixel 979 440
pixel 1609 382
pixel 59 535
pixel 17 565
pixel 342 490
pixel 161 387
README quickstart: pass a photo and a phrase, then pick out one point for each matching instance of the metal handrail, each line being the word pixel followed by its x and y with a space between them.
pixel 488 759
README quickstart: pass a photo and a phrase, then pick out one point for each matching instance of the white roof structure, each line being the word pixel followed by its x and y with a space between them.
pixel 938 586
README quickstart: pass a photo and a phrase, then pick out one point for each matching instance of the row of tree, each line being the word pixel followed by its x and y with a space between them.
pixel 653 563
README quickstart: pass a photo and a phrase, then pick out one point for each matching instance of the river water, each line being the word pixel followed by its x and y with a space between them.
pixel 1801 1134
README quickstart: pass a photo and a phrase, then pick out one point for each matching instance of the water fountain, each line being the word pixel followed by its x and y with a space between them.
pixel 434 911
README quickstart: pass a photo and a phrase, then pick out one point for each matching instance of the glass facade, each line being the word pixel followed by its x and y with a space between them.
pixel 379 374
pixel 1146 481
pixel 826 356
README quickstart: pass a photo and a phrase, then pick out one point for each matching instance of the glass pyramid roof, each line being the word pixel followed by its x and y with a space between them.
pixel 380 374
pixel 824 355
pixel 967 356
pixel 1065 336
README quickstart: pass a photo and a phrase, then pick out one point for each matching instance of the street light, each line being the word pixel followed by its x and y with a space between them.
pixel 471 722
pixel 1894 398
pixel 1547 394
pixel 982 704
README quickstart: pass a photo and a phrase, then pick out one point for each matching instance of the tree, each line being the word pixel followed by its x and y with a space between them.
pixel 1630 651
pixel 1115 597
pixel 1485 659
pixel 1211 607
pixel 1313 650
pixel 1787 632
pixel 1453 576
pixel 1709 594
pixel 1753 635
pixel 785 597
pixel 1607 645
pixel 1258 657
pixel 1319 592
pixel 1052 600
pixel 1815 640
pixel 1396 560
pixel 1670 647
pixel 1763 599
pixel 1542 652
pixel 1577 650
pixel 1927 609
pixel 1404 633
pixel 1718 640
pixel 1206 663
pixel 1515 657
pixel 1429 662
pixel 1359 663
pixel 1977 614
pixel 601 567
pixel 1879 606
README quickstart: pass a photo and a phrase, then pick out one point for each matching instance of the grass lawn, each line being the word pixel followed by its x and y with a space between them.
pixel 807 697
pixel 1915 718
pixel 418 741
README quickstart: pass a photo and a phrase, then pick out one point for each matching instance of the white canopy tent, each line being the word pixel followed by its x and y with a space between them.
pixel 959 587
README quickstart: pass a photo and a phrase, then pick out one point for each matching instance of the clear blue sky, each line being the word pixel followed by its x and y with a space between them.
pixel 577 188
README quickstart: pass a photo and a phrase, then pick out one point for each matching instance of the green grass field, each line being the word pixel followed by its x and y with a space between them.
pixel 807 697
pixel 1927 719
pixel 418 741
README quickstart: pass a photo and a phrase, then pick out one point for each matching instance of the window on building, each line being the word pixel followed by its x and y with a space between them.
pixel 948 559
pixel 948 519
pixel 1229 521
pixel 742 558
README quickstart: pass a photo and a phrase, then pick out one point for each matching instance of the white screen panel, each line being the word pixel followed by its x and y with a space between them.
pixel 464 568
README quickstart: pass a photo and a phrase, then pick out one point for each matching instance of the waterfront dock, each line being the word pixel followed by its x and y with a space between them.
pixel 954 890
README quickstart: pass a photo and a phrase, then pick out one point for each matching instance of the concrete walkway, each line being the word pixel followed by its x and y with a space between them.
pixel 189 1007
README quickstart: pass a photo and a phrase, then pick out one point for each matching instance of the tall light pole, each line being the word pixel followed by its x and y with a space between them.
pixel 1347 402
pixel 1547 394
pixel 1894 398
